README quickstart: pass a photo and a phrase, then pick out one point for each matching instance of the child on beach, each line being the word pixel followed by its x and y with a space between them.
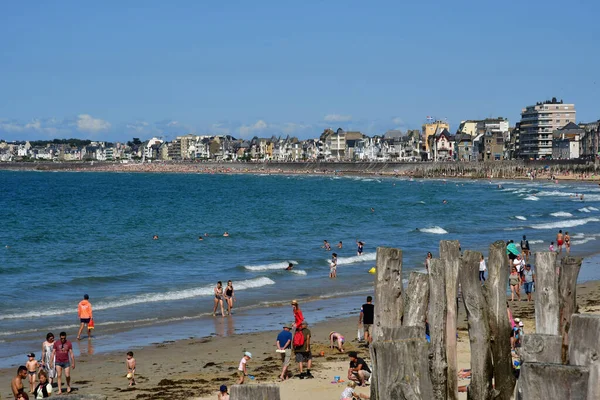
pixel 551 248
pixel 32 367
pixel 223 395
pixel 349 393
pixel 242 372
pixel 130 365
pixel 336 340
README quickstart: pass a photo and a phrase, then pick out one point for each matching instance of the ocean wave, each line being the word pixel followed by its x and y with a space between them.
pixel 356 259
pixel 561 214
pixel 593 208
pixel 532 198
pixel 67 327
pixel 536 241
pixel 145 298
pixel 585 210
pixel 269 267
pixel 522 218
pixel 298 271
pixel 437 230
pixel 555 193
pixel 583 241
pixel 565 224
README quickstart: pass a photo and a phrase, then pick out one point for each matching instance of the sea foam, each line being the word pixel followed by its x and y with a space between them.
pixel 565 224
pixel 438 230
pixel 532 198
pixel 561 214
pixel 269 267
pixel 356 259
pixel 522 218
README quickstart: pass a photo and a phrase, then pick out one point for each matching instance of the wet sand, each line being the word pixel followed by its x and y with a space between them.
pixel 195 368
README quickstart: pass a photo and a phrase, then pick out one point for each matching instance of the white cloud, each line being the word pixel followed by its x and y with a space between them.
pixel 337 118
pixel 87 123
pixel 247 130
pixel 138 126
pixel 11 126
pixel 398 121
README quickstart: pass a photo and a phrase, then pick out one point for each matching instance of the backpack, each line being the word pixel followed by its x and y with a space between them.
pixel 298 339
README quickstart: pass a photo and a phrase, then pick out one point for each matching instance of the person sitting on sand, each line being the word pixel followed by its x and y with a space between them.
pixel 359 371
pixel 350 394
pixel 223 395
pixel 336 340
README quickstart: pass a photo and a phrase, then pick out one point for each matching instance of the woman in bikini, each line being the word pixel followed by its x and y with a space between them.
pixel 568 242
pixel 229 296
pixel 218 299
pixel 336 340
pixel 428 260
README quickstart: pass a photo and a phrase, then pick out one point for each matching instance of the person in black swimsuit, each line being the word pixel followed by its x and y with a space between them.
pixel 229 296
pixel 360 246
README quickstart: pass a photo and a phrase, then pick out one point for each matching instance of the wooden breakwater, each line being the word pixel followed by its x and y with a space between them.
pixel 478 170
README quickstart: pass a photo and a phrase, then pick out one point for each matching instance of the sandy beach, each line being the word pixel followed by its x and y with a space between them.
pixel 195 368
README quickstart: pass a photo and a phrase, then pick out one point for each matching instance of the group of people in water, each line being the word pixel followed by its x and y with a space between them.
pixel 360 246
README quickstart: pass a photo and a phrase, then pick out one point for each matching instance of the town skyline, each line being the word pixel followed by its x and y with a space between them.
pixel 111 71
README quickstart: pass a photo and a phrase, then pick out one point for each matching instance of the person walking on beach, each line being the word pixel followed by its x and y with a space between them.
pixel 32 368
pixel 84 311
pixel 525 248
pixel 218 299
pixel 559 241
pixel 514 279
pixel 64 359
pixel 366 318
pixel 529 279
pixel 17 382
pixel 482 269
pixel 242 371
pixel 568 242
pixel 47 360
pixel 359 371
pixel 229 296
pixel 302 349
pixel 130 365
pixel 284 347
pixel 333 266
pixel 298 317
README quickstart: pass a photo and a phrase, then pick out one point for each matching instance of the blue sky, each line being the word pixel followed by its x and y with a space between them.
pixel 113 70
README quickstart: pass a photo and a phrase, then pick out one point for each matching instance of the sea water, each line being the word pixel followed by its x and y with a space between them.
pixel 67 234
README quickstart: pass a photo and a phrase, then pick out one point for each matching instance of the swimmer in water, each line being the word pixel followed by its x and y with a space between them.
pixel 340 245
pixel 289 267
pixel 200 238
pixel 326 245
pixel 359 247
pixel 226 234
pixel 372 210
pixel 445 201
pixel 155 237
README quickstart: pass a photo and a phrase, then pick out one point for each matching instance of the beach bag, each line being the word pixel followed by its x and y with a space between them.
pixel 361 334
pixel 298 339
pixel 91 324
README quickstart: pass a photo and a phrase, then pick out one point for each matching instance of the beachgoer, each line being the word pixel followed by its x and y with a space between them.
pixel 326 245
pixel 567 242
pixel 155 237
pixel 349 393
pixel 229 296
pixel 223 395
pixel 514 279
pixel 32 368
pixel 17 382
pixel 359 371
pixel 482 269
pixel 47 360
pixel 298 316
pixel 130 366
pixel 219 299
pixel 529 279
pixel 359 247
pixel 336 340
pixel 242 371
pixel 44 388
pixel 289 267
pixel 340 245
pixel 226 234
pixel 525 248
pixel 333 266
pixel 559 241
pixel 200 238
pixel 284 347
pixel 64 359
pixel 445 201
pixel 551 247
pixel 366 318
pixel 84 311
pixel 372 210
pixel 22 396
pixel 303 353
pixel 428 260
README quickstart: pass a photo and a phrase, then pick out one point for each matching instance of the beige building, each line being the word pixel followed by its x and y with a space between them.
pixel 431 128
pixel 538 122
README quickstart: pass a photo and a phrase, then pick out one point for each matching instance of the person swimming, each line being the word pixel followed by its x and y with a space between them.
pixel 226 234
pixel 155 237
pixel 289 267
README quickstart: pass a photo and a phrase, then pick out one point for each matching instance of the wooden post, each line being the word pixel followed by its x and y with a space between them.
pixel 437 328
pixel 403 370
pixel 541 348
pixel 479 331
pixel 567 287
pixel 546 296
pixel 542 381
pixel 389 305
pixel 593 392
pixel 450 255
pixel 417 300
pixel 495 292
pixel 584 339
pixel 255 392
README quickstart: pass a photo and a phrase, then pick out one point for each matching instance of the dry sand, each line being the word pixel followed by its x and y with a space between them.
pixel 195 368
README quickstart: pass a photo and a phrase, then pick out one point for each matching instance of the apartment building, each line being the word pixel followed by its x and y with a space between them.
pixel 429 129
pixel 538 122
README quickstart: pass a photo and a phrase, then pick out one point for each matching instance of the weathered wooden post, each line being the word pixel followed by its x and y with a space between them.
pixel 541 381
pixel 255 392
pixel 417 301
pixel 495 292
pixel 567 287
pixel 584 340
pixel 438 367
pixel 450 255
pixel 542 348
pixel 479 331
pixel 389 305
pixel 593 392
pixel 546 296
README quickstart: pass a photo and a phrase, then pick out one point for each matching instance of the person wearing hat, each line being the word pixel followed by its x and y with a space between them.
pixel 284 347
pixel 84 310
pixel 223 395
pixel 303 353
pixel 242 372
pixel 32 368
